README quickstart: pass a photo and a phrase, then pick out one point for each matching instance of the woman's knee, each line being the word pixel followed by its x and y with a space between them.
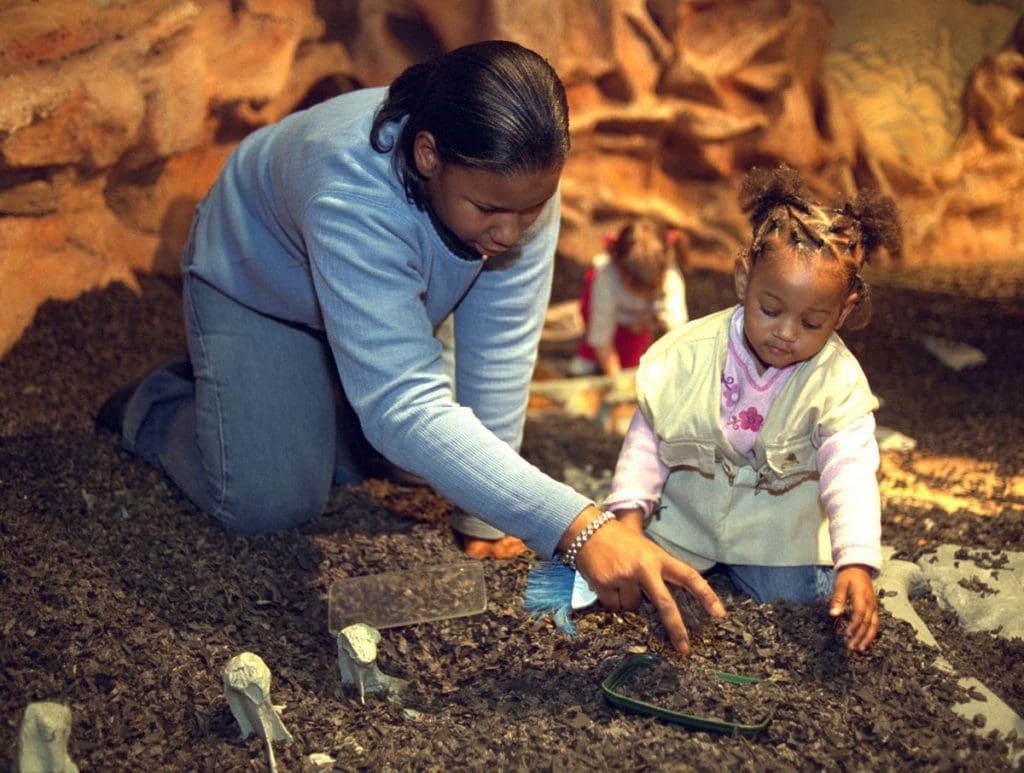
pixel 260 508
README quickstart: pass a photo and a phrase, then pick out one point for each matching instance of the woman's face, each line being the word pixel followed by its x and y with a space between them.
pixel 486 212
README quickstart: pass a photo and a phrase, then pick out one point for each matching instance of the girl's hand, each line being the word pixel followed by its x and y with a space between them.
pixel 853 586
pixel 607 360
pixel 623 566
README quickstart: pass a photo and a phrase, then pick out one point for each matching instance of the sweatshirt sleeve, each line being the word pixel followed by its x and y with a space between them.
pixel 498 325
pixel 371 289
pixel 848 463
pixel 639 472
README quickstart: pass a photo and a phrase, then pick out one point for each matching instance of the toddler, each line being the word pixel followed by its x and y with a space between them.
pixel 632 293
pixel 753 446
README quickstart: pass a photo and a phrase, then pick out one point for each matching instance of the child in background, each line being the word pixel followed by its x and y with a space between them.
pixel 632 294
pixel 753 446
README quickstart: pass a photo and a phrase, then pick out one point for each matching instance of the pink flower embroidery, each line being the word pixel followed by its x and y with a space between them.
pixel 751 419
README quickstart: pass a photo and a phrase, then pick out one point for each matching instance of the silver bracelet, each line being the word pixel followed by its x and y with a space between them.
pixel 588 531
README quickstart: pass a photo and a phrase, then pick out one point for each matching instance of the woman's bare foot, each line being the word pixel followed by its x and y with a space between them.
pixel 503 547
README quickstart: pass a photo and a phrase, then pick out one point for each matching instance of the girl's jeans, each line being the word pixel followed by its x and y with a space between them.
pixel 252 426
pixel 801 584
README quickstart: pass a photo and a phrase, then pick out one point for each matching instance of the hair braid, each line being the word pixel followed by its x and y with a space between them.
pixel 783 212
pixel 880 223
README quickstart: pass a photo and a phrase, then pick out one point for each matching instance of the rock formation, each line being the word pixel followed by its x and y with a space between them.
pixel 118 115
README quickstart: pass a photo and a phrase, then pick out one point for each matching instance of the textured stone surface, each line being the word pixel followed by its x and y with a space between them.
pixel 114 124
pixel 984 588
pixel 117 115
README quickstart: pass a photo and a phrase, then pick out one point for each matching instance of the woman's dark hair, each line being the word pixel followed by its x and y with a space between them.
pixel 494 105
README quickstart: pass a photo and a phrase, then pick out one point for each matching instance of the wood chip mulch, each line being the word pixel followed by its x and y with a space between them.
pixel 123 602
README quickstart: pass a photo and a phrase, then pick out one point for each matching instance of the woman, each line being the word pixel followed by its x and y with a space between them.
pixel 319 268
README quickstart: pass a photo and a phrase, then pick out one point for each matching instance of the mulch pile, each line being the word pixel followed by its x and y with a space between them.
pixel 123 602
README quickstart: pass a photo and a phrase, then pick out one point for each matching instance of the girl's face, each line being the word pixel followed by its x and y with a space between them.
pixel 790 305
pixel 486 211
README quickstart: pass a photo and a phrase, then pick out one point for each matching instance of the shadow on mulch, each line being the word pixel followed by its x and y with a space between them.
pixel 124 603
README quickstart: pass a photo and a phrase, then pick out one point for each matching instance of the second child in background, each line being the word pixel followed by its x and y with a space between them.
pixel 632 294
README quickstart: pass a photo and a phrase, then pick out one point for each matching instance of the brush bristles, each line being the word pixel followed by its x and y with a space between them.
pixel 549 591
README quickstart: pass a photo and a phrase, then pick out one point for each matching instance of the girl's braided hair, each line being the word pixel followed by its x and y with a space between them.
pixel 784 213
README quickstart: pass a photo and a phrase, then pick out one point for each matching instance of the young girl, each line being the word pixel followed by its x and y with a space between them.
pixel 319 268
pixel 753 445
pixel 632 294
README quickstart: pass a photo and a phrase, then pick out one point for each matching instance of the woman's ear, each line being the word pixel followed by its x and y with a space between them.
pixel 741 275
pixel 424 151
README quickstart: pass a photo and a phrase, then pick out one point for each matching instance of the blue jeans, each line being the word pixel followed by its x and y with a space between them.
pixel 252 426
pixel 800 584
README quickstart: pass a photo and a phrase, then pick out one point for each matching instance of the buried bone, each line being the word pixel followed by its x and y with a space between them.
pixel 247 690
pixel 357 661
pixel 43 739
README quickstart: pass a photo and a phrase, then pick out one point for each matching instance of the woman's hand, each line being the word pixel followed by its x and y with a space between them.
pixel 853 586
pixel 632 518
pixel 623 566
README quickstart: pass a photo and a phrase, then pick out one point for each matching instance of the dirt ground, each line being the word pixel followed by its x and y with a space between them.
pixel 124 603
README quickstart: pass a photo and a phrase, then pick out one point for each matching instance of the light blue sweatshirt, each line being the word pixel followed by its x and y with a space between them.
pixel 309 224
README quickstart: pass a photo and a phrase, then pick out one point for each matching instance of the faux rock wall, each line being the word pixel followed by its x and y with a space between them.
pixel 117 114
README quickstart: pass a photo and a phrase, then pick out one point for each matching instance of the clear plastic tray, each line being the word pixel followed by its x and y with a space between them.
pixel 437 592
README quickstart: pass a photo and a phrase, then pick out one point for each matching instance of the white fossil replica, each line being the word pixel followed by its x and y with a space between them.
pixel 43 739
pixel 247 689
pixel 357 660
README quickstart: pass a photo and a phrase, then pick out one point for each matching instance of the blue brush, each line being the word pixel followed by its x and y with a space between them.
pixel 552 587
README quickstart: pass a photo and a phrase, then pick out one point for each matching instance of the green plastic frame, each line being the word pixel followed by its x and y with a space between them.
pixel 633 663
